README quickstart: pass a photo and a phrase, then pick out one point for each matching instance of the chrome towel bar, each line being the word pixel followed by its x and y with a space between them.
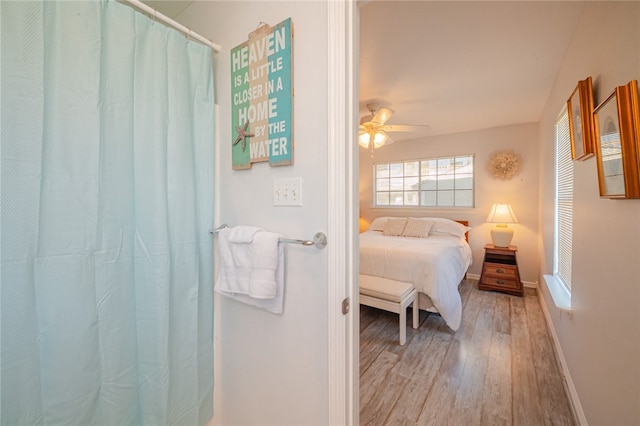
pixel 319 239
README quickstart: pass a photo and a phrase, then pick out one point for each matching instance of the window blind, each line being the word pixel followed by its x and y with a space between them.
pixel 564 201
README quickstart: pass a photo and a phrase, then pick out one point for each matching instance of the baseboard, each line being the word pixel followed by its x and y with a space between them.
pixel 570 389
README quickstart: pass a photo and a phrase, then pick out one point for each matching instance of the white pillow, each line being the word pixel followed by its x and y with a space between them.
pixel 394 226
pixel 417 228
pixel 378 224
pixel 448 226
pixel 443 225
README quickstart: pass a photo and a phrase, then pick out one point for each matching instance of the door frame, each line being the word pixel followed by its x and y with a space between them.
pixel 342 228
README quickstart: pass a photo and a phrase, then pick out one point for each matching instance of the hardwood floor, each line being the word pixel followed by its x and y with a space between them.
pixel 499 368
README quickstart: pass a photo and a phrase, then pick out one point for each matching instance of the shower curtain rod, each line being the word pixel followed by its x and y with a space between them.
pixel 159 16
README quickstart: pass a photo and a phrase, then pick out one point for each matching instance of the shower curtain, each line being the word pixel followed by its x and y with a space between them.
pixel 107 197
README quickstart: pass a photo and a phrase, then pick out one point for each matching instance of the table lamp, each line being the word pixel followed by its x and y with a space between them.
pixel 364 224
pixel 501 214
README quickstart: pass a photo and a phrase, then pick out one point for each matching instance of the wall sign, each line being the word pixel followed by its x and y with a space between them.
pixel 262 97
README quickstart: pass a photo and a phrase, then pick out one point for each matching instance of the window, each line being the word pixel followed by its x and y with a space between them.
pixel 433 182
pixel 563 202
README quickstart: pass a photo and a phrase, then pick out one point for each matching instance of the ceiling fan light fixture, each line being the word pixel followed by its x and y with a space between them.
pixel 378 138
pixel 373 128
pixel 364 139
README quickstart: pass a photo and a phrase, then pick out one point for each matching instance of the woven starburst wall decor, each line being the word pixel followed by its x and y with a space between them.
pixel 504 165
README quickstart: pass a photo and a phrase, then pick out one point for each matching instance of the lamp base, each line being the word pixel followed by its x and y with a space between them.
pixel 501 235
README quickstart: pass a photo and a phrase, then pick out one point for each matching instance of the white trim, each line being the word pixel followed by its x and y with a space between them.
pixel 342 226
pixel 559 293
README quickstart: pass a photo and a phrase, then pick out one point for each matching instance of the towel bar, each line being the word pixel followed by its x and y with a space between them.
pixel 319 239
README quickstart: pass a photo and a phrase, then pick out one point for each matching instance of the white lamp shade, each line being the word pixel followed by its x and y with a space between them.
pixel 501 234
pixel 502 213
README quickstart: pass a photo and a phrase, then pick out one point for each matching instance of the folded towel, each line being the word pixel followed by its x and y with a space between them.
pixel 251 271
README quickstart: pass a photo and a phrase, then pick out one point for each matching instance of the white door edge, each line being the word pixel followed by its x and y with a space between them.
pixel 342 230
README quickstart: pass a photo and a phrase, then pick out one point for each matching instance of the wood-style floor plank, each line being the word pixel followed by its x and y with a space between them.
pixel 553 398
pixel 498 368
pixel 411 401
pixel 468 407
pixel 442 395
pixel 526 394
pixel 497 384
pixel 376 377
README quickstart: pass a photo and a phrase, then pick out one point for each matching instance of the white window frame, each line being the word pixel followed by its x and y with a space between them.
pixel 560 283
pixel 440 194
pixel 563 223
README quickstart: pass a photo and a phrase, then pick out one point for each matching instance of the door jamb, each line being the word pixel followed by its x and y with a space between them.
pixel 343 335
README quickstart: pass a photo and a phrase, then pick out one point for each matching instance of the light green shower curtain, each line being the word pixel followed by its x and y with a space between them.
pixel 107 197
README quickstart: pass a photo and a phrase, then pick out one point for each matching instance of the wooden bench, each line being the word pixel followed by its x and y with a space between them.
pixel 391 296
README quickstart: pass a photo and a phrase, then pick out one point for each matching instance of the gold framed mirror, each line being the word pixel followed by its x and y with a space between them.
pixel 617 129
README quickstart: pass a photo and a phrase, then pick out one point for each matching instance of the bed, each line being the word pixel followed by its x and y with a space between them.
pixel 430 253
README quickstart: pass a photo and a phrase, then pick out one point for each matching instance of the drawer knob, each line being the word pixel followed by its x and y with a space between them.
pixel 499 281
pixel 500 271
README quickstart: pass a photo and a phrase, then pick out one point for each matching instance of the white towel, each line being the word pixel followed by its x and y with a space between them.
pixel 251 271
pixel 243 234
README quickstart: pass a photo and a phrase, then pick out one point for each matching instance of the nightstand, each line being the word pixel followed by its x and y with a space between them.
pixel 500 270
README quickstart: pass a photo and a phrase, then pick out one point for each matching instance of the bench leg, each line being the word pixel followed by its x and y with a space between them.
pixel 416 312
pixel 403 325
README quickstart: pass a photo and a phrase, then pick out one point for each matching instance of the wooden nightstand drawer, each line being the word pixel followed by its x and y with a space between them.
pixel 506 271
pixel 501 282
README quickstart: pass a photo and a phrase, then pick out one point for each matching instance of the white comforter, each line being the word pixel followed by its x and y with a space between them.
pixel 434 265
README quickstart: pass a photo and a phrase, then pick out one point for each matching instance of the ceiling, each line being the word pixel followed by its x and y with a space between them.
pixel 461 66
pixel 456 65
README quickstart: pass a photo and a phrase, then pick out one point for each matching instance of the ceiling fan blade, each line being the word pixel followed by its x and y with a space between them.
pixel 366 119
pixel 382 115
pixel 407 128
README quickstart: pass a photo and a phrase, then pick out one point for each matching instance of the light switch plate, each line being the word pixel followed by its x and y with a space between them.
pixel 287 191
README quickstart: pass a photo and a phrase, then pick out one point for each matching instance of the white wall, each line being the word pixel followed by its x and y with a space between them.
pixel 521 191
pixel 601 340
pixel 272 369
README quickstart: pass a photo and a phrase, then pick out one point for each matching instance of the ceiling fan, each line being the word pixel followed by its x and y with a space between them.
pixel 373 130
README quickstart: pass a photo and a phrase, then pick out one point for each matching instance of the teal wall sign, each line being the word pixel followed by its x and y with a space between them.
pixel 262 97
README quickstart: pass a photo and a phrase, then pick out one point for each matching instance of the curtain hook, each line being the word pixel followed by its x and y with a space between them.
pixel 155 15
